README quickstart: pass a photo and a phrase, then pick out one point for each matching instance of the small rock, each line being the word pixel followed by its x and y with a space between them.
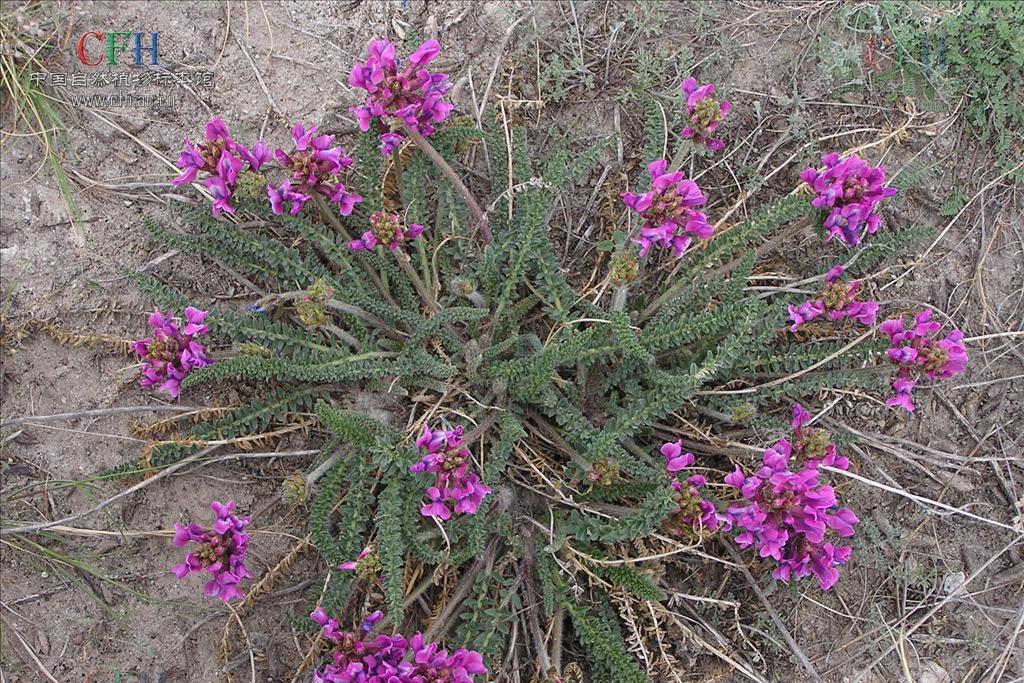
pixel 933 673
pixel 953 583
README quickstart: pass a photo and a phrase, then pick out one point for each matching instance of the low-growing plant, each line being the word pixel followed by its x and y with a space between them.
pixel 543 435
pixel 972 49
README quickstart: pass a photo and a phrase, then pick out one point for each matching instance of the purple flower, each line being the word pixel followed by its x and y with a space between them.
pixel 669 219
pixel 805 312
pixel 409 94
pixel 357 657
pixel 675 459
pixel 221 551
pixel 788 515
pixel 918 351
pixel 838 299
pixel 456 488
pixel 705 113
pixel 850 191
pixel 221 193
pixel 388 142
pixel 222 158
pixel 315 167
pixel 258 155
pixel 351 565
pixel 902 385
pixel 386 229
pixel 172 352
pixel 694 514
pixel 285 193
pixel 345 200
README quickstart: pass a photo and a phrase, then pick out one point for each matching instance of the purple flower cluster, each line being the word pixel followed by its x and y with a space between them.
pixel 667 209
pixel 786 514
pixel 172 352
pixel 386 229
pixel 838 299
pixel 917 350
pixel 221 551
pixel 694 513
pixel 222 158
pixel 456 488
pixel 850 190
pixel 411 94
pixel 360 658
pixel 314 166
pixel 705 113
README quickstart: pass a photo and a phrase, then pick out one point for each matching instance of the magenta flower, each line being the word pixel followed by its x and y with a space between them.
pixel 850 190
pixel 222 158
pixel 367 565
pixel 805 312
pixel 386 229
pixel 257 156
pixel 918 351
pixel 172 352
pixel 788 516
pixel 669 219
pixel 694 514
pixel 838 299
pixel 221 551
pixel 285 193
pixel 705 113
pixel 359 658
pixel 456 488
pixel 411 93
pixel 221 192
pixel 351 565
pixel 315 168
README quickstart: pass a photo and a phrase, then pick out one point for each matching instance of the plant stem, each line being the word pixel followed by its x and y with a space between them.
pixel 425 295
pixel 723 270
pixel 453 178
pixel 681 156
pixel 619 298
pixel 558 619
pixel 99 412
pixel 336 224
pixel 421 249
pixel 547 666
pixel 417 283
pixel 441 624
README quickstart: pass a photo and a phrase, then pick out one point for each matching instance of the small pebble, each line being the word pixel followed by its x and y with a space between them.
pixel 953 583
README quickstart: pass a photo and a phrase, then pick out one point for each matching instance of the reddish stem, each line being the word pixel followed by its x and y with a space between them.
pixel 453 177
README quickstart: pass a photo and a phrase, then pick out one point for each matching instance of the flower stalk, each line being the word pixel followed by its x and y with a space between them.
pixel 454 179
